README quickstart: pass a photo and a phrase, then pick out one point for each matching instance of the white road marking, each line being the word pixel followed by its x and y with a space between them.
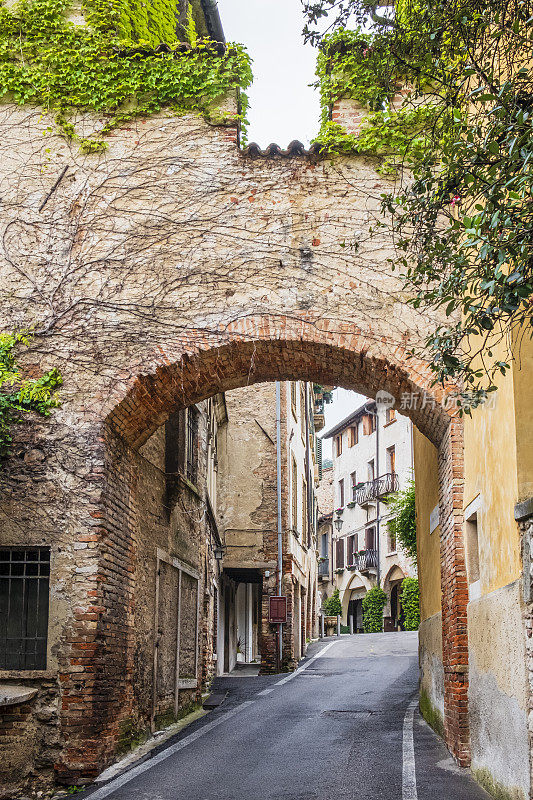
pixel 305 666
pixel 299 671
pixel 409 768
pixel 128 776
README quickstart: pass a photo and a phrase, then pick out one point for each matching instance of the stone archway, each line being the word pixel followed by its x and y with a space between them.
pixel 255 355
pixel 172 268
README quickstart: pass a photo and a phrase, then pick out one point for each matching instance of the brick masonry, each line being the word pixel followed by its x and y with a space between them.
pixel 169 269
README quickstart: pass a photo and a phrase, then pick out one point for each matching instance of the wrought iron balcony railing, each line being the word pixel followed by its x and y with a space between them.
pixel 323 568
pixel 367 560
pixel 379 487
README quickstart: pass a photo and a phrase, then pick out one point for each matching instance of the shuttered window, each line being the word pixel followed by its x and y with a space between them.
pixel 339 554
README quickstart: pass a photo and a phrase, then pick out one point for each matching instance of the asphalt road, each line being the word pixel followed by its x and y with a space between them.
pixel 336 729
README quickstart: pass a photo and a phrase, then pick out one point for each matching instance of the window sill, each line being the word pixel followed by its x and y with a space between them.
pixel 13 695
pixel 386 424
pixel 27 674
pixel 392 553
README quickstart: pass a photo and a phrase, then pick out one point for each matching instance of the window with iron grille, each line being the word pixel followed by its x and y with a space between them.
pixel 24 591
pixel 192 444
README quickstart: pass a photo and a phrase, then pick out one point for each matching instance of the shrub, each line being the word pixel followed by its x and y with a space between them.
pixel 332 605
pixel 410 599
pixel 373 605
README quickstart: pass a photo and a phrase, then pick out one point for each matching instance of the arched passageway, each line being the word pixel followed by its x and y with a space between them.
pixel 261 349
pixel 171 269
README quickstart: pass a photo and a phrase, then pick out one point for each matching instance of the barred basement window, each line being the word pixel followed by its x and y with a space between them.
pixel 24 590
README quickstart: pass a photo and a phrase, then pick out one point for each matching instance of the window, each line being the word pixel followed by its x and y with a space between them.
pixel 369 424
pixel 352 436
pixel 370 539
pixel 371 474
pixel 472 548
pixel 339 554
pixel 324 545
pixel 294 489
pixel 302 407
pixel 391 460
pixel 350 555
pixel 341 493
pixel 338 445
pixel 24 589
pixel 293 397
pixel 192 445
pixel 353 484
pixel 391 538
pixel 305 520
pixel 390 415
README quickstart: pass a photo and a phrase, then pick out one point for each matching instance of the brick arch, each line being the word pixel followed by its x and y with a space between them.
pixel 265 348
pixel 253 350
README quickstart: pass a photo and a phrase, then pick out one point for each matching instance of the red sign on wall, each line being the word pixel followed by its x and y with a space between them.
pixel 277 614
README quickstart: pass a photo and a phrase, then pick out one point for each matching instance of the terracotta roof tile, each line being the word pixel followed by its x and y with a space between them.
pixel 295 148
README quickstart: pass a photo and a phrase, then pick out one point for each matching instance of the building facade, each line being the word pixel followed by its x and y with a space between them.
pixel 248 495
pixel 372 459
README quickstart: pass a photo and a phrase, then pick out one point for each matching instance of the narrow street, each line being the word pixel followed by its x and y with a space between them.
pixel 340 727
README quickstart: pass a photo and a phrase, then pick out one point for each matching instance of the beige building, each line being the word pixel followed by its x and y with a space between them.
pixel 248 497
pixel 372 459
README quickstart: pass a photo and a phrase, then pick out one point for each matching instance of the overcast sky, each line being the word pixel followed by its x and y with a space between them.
pixel 283 106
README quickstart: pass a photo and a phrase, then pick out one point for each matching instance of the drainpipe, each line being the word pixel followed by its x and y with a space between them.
pixel 378 576
pixel 310 509
pixel 280 531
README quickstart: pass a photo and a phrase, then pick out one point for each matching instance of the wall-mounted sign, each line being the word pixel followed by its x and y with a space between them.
pixel 277 612
pixel 434 519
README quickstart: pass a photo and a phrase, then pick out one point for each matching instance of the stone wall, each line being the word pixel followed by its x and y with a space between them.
pixel 171 268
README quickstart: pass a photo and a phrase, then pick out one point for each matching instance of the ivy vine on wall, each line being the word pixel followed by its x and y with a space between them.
pixel 410 600
pixel 373 604
pixel 18 395
pixel 126 61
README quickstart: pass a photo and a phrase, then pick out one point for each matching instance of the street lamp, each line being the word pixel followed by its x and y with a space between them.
pixel 219 551
pixel 338 522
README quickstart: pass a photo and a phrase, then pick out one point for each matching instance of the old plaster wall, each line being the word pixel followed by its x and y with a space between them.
pixel 429 579
pixel 498 687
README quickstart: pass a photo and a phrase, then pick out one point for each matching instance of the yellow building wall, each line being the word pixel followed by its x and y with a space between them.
pixel 428 545
pixel 491 471
pixel 523 393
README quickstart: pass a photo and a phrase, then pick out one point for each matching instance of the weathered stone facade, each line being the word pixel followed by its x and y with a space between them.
pixel 248 512
pixel 170 269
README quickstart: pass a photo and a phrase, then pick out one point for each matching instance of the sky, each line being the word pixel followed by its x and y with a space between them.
pixel 283 106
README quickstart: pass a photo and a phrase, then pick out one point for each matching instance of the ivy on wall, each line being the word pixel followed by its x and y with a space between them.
pixel 126 61
pixel 402 526
pixel 19 396
pixel 373 604
pixel 410 600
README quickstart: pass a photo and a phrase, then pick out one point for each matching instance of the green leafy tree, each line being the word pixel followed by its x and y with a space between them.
pixel 402 526
pixel 373 604
pixel 410 600
pixel 332 605
pixel 463 217
pixel 20 396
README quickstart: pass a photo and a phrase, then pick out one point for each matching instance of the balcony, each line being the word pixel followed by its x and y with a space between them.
pixel 323 569
pixel 380 487
pixel 366 560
